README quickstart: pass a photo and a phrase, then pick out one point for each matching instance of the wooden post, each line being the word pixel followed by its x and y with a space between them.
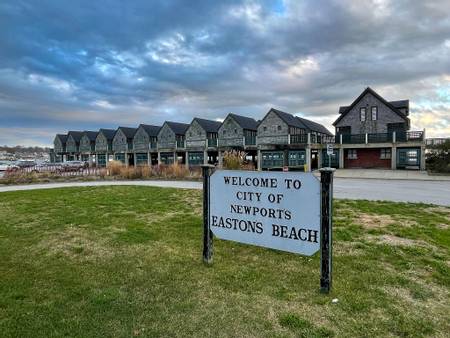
pixel 326 230
pixel 207 233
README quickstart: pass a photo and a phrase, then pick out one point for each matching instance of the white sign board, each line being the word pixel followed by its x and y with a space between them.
pixel 329 149
pixel 277 210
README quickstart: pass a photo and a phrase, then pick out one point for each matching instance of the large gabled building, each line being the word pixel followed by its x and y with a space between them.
pixel 374 133
pixel 286 140
pixel 103 146
pixel 122 145
pixel 171 143
pixel 201 142
pixel 145 144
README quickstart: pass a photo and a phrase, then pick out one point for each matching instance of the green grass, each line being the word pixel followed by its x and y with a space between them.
pixel 126 262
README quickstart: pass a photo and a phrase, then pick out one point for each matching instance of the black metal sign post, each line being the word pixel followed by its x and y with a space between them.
pixel 207 233
pixel 326 223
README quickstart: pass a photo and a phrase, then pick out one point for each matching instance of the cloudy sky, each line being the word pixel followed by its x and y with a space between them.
pixel 82 65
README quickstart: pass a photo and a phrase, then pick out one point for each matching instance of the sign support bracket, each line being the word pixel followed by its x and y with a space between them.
pixel 207 233
pixel 326 222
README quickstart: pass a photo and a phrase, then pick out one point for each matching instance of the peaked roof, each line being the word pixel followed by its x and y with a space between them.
pixel 300 122
pixel 314 126
pixel 62 137
pixel 209 126
pixel 109 133
pixel 150 129
pixel 245 122
pixel 92 135
pixel 129 132
pixel 344 110
pixel 76 135
pixel 178 128
pixel 400 104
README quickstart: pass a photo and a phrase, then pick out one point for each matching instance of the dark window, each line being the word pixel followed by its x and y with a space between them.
pixel 385 154
pixel 279 127
pixel 374 113
pixel 362 114
pixel 352 154
pixel 265 128
pixel 235 131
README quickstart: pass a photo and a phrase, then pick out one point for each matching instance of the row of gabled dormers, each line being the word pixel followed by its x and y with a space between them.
pixel 235 130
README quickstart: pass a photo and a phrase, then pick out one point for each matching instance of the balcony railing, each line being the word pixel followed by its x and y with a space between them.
pixel 212 142
pixel 395 137
pixel 379 138
pixel 353 139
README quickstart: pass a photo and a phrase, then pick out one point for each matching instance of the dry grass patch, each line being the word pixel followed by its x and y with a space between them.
pixel 398 241
pixel 78 244
pixel 369 221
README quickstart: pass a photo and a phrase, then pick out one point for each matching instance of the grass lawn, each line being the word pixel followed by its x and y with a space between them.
pixel 126 261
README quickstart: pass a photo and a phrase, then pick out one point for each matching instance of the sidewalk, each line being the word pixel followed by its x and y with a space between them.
pixel 386 174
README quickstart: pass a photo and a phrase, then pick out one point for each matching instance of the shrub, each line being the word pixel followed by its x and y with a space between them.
pixel 438 158
pixel 115 168
pixel 234 159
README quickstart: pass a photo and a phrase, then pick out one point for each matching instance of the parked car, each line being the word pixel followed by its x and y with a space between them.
pixel 8 167
pixel 25 163
pixel 74 165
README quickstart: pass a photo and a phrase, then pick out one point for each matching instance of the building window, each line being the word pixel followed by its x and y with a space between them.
pixel 362 113
pixel 235 131
pixel 279 127
pixel 352 155
pixel 265 128
pixel 374 113
pixel 224 132
pixel 385 154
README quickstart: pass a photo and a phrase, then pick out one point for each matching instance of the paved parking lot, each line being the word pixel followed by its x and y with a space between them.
pixel 434 192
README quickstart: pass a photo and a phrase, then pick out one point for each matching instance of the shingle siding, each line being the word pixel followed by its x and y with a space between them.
pixel 101 143
pixel 268 132
pixel 231 134
pixel 119 143
pixel 385 116
pixel 141 140
pixel 166 138
pixel 195 136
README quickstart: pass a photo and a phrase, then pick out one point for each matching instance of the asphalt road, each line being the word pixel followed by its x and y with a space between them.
pixel 433 192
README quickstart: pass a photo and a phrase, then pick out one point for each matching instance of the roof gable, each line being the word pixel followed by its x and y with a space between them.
pixel 62 137
pixel 76 135
pixel 344 110
pixel 91 135
pixel 108 133
pixel 289 119
pixel 177 128
pixel 245 122
pixel 209 126
pixel 151 130
pixel 128 132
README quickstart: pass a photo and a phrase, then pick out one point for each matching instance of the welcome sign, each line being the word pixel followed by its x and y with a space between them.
pixel 275 210
pixel 280 210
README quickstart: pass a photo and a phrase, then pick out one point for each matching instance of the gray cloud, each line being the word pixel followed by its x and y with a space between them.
pixel 98 64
